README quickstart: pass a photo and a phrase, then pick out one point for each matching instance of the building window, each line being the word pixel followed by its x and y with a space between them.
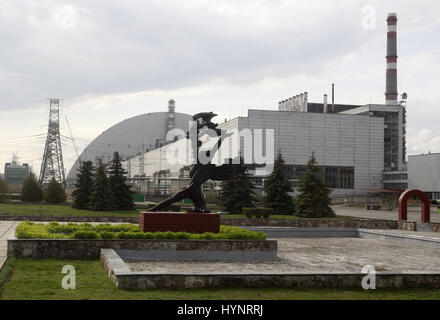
pixel 334 177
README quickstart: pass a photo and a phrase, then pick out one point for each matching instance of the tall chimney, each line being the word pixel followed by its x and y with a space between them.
pixel 333 97
pixel 325 104
pixel 391 78
pixel 306 101
pixel 171 114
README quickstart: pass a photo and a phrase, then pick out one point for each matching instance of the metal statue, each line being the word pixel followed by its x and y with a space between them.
pixel 200 172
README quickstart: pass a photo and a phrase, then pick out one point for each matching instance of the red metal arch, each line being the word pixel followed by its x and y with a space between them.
pixel 403 204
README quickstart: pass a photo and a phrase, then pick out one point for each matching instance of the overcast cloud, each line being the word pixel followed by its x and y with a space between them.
pixel 110 60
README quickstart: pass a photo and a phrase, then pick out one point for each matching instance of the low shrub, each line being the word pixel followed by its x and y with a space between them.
pixel 128 235
pixel 258 212
pixel 54 230
pixel 117 228
pixel 85 235
pixel 106 235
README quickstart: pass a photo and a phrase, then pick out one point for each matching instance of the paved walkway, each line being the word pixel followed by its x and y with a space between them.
pixel 414 214
pixel 316 255
pixel 7 229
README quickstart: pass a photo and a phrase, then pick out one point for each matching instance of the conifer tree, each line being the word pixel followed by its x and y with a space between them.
pixel 237 193
pixel 31 191
pixel 122 195
pixel 54 192
pixel 4 189
pixel 83 185
pixel 314 200
pixel 101 198
pixel 277 188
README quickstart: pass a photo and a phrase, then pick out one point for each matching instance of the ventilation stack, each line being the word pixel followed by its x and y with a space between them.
pixel 171 114
pixel 391 93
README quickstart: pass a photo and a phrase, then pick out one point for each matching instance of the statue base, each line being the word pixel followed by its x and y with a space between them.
pixel 193 222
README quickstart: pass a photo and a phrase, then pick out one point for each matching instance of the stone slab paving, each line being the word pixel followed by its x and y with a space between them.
pixel 316 255
pixel 7 229
pixel 414 213
pixel 435 235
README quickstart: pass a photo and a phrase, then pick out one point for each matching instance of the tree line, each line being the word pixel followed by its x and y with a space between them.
pixel 94 189
pixel 313 199
pixel 100 190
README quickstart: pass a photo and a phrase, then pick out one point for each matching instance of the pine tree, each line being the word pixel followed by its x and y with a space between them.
pixel 31 191
pixel 314 199
pixel 54 192
pixel 122 195
pixel 277 188
pixel 83 185
pixel 4 189
pixel 101 198
pixel 237 193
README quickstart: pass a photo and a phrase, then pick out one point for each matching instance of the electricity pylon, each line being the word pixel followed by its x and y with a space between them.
pixel 52 165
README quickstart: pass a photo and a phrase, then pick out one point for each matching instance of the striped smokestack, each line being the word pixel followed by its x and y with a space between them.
pixel 391 82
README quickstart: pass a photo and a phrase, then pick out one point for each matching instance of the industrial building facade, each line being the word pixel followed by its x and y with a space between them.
pixel 15 174
pixel 424 174
pixel 361 148
pixel 348 147
pixel 131 137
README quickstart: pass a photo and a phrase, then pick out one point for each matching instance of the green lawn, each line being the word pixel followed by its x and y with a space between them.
pixel 27 209
pixel 41 279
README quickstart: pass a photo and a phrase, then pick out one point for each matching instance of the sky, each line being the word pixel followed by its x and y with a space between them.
pixel 111 60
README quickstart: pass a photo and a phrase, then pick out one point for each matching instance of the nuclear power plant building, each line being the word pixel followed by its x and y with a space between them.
pixel 360 147
pixel 131 137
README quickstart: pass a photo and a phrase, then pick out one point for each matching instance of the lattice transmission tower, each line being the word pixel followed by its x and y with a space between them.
pixel 52 165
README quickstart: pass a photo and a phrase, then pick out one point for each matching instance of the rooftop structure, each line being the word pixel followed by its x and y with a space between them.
pixel 133 136
pixel 16 173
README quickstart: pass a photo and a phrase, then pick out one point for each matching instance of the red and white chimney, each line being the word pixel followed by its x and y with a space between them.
pixel 391 94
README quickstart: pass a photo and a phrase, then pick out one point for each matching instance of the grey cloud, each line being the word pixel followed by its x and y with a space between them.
pixel 130 46
pixel 125 47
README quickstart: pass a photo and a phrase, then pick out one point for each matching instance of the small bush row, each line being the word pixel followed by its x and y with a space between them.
pixel 54 230
pixel 258 212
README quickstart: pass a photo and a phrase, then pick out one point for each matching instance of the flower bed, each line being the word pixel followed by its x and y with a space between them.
pixel 54 230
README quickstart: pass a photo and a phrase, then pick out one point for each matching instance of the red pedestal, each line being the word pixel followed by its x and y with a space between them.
pixel 179 221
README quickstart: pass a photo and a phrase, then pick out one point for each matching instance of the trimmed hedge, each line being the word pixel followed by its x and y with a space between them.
pixel 258 212
pixel 54 230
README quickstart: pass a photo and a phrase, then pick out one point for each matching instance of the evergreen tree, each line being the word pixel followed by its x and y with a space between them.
pixel 31 191
pixel 4 189
pixel 54 192
pixel 277 188
pixel 101 198
pixel 122 195
pixel 314 199
pixel 83 185
pixel 237 193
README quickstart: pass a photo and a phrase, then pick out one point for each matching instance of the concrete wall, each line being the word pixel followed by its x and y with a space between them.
pixel 337 140
pixel 424 172
pixel 345 140
pixel 88 249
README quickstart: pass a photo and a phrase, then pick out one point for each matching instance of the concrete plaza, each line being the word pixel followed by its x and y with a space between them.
pixel 414 213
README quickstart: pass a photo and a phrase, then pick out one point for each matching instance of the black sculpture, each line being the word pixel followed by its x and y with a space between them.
pixel 199 172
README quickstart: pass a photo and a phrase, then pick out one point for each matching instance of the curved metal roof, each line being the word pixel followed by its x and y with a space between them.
pixel 130 137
